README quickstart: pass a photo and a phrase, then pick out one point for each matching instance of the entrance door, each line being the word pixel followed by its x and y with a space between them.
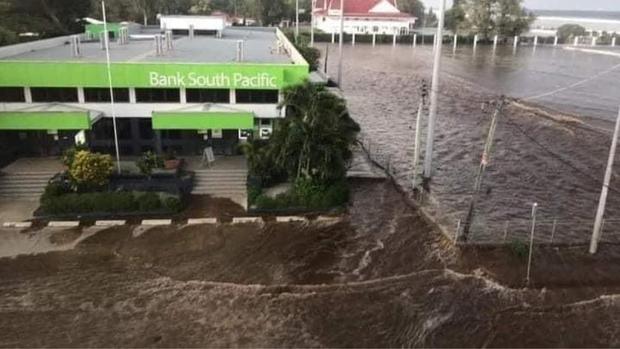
pixel 226 145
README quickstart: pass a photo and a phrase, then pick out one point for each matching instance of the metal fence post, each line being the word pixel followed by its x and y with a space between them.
pixel 529 260
pixel 456 233
pixel 555 224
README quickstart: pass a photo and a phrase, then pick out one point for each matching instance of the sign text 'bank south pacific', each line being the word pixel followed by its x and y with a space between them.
pixel 216 80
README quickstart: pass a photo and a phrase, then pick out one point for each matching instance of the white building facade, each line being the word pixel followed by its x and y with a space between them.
pixel 362 17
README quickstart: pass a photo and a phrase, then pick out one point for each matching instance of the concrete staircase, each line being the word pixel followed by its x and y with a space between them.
pixel 27 185
pixel 222 183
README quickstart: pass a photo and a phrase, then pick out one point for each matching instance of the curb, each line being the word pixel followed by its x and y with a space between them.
pixel 109 223
pixel 63 224
pixel 190 221
pixel 287 219
pixel 156 222
pixel 243 220
pixel 197 221
pixel 17 225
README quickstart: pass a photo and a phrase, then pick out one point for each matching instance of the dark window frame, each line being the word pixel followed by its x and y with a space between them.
pixel 200 95
pixel 10 94
pixel 158 95
pixel 54 94
pixel 102 95
pixel 244 96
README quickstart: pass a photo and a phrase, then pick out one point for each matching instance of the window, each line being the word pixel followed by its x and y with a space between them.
pixel 158 95
pixel 257 96
pixel 54 94
pixel 208 96
pixel 97 95
pixel 12 94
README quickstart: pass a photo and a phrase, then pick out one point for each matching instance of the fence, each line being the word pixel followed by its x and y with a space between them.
pixel 548 230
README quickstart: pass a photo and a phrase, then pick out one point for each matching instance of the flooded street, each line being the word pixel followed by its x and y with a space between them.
pixel 551 149
pixel 380 277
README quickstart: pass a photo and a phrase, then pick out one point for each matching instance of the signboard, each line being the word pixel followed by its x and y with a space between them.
pixel 151 75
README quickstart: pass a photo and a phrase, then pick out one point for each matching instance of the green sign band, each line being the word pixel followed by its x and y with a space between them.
pixel 202 120
pixel 147 75
pixel 24 121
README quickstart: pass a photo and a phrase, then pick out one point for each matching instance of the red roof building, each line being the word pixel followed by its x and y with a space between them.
pixel 362 17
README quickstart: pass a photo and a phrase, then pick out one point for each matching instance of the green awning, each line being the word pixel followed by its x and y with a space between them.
pixel 202 120
pixel 45 120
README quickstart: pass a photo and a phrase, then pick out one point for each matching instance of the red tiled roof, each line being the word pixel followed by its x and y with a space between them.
pixel 356 8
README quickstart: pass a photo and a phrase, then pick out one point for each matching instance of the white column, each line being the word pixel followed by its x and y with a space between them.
pixel 576 41
pixel 233 96
pixel 132 95
pixel 353 40
pixel 81 98
pixel 333 37
pixel 495 42
pixel 600 212
pixel 456 42
pixel 613 41
pixel 594 41
pixel 27 95
pixel 394 39
pixel 374 39
pixel 183 94
pixel 515 42
pixel 415 40
pixel 475 41
pixel 555 41
pixel 535 40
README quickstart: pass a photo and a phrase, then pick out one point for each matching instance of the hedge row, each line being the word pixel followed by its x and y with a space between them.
pixel 54 201
pixel 304 196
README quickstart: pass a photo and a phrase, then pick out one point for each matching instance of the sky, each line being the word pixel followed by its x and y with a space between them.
pixel 582 5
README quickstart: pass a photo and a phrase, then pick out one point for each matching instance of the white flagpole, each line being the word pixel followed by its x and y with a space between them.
pixel 107 54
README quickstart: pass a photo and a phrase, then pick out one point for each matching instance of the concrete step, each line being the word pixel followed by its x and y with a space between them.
pixel 219 191
pixel 223 176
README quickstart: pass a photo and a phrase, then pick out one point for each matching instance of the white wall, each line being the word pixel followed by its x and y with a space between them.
pixel 216 23
pixel 359 26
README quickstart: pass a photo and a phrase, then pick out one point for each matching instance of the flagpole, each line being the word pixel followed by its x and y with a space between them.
pixel 106 39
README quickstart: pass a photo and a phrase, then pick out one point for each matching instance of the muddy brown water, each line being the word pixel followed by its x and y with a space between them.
pixel 379 278
pixel 558 165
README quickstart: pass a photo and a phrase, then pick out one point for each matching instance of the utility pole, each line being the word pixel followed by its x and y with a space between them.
pixel 340 43
pixel 106 40
pixel 312 23
pixel 296 20
pixel 481 169
pixel 430 137
pixel 418 133
pixel 598 221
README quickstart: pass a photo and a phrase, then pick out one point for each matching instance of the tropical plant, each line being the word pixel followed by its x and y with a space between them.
pixel 90 169
pixel 149 162
pixel 489 17
pixel 315 138
pixel 68 155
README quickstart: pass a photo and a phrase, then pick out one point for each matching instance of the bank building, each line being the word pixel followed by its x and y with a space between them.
pixel 191 82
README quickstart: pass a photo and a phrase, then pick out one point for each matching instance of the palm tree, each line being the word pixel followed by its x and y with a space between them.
pixel 314 140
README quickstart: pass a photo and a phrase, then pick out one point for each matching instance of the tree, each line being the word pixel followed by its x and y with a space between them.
pixel 568 31
pixel 455 17
pixel 314 140
pixel 271 11
pixel 489 17
pixel 412 7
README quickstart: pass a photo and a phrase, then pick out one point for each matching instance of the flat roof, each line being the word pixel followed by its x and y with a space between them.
pixel 260 46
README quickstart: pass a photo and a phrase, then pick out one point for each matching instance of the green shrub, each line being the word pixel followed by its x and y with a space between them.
pixel 149 202
pixel 68 155
pixel 149 162
pixel 173 204
pixel 253 193
pixel 90 170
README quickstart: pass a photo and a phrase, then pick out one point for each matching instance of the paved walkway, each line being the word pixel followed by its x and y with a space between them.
pixel 34 165
pixel 17 210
